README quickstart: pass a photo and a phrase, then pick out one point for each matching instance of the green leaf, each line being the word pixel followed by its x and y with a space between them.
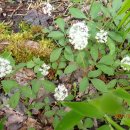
pixel 61 23
pixel 111 45
pixel 26 91
pixel 70 68
pixel 36 84
pixel 84 84
pixel 55 54
pixel 106 69
pixel 62 65
pixel 30 64
pixel 99 85
pixel 81 59
pixel 69 120
pixel 85 109
pixel 95 73
pixel 116 36
pixel 8 85
pixel 94 52
pixel 116 6
pixel 49 86
pixel 125 7
pixel 112 83
pixel 14 100
pixel 49 113
pixel 107 60
pixel 88 123
pixel 111 104
pixel 95 9
pixel 122 93
pixel 75 12
pixel 56 35
pixel 68 53
pixel 104 127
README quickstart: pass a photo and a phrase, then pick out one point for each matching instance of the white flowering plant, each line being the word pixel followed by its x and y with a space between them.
pixel 84 83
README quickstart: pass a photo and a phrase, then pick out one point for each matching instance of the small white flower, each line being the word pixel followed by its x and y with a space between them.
pixel 44 69
pixel 47 8
pixel 102 36
pixel 5 67
pixel 61 92
pixel 125 63
pixel 78 35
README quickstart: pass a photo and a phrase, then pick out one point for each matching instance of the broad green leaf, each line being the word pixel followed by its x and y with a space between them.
pixel 85 109
pixel 116 6
pixel 61 23
pixel 49 113
pixel 111 104
pixel 68 53
pixel 95 73
pixel 116 36
pixel 56 35
pixel 14 100
pixel 30 64
pixel 8 85
pixel 104 127
pixel 106 69
pixel 49 86
pixel 111 45
pixel 112 83
pixel 55 54
pixel 81 59
pixel 26 91
pixel 75 12
pixel 62 65
pixel 70 68
pixel 120 92
pixel 95 9
pixel 84 84
pixel 99 85
pixel 126 120
pixel 94 52
pixel 88 123
pixel 69 120
pixel 107 60
pixel 36 84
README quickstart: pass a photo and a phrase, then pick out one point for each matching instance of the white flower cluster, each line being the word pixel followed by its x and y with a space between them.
pixel 125 63
pixel 5 67
pixel 61 92
pixel 102 36
pixel 44 69
pixel 47 8
pixel 78 35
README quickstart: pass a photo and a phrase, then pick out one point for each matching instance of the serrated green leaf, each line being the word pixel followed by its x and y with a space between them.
pixel 62 65
pixel 68 53
pixel 75 12
pixel 36 84
pixel 112 83
pixel 107 60
pixel 70 68
pixel 8 85
pixel 61 23
pixel 106 69
pixel 94 52
pixel 84 84
pixel 30 64
pixel 55 54
pixel 49 86
pixel 56 35
pixel 111 45
pixel 99 85
pixel 14 100
pixel 95 73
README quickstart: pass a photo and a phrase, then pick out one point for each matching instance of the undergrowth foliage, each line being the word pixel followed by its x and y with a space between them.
pixel 90 45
